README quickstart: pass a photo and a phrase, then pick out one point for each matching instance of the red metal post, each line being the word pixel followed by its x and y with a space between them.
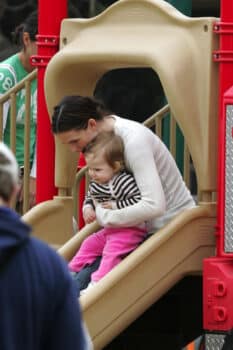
pixel 225 58
pixel 218 271
pixel 50 16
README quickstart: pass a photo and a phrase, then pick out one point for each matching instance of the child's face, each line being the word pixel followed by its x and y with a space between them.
pixel 99 170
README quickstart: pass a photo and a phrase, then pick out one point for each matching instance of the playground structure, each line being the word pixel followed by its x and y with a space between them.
pixel 88 49
pixel 81 75
pixel 189 75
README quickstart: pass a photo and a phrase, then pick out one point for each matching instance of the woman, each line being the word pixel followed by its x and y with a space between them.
pixel 77 120
pixel 12 71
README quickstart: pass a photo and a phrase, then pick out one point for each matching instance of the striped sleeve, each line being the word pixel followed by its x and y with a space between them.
pixel 125 190
pixel 88 201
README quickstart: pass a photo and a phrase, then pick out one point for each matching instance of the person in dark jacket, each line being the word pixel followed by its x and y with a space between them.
pixel 39 308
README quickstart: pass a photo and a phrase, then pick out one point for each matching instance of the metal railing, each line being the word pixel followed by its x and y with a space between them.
pixel 10 96
pixel 155 122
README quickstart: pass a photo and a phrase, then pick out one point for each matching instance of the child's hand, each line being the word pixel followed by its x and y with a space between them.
pixel 106 205
pixel 89 215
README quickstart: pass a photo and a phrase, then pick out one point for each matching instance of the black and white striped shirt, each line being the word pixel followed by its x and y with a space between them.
pixel 122 190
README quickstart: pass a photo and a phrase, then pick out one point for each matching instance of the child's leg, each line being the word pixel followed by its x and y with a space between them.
pixel 119 242
pixel 91 248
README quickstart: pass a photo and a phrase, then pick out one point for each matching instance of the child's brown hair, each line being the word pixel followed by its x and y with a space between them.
pixel 112 147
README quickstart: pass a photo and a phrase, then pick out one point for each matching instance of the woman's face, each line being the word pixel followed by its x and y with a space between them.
pixel 78 139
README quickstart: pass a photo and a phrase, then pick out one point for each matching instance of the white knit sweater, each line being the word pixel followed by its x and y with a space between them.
pixel 163 191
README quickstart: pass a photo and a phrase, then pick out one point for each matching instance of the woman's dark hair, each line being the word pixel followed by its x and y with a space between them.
pixel 30 26
pixel 73 113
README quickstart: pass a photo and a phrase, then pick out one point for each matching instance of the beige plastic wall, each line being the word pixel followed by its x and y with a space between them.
pixel 149 33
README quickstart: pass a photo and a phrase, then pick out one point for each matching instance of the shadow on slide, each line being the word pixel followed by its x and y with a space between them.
pixel 148 273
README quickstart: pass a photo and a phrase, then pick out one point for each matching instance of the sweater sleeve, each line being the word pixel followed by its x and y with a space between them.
pixel 142 164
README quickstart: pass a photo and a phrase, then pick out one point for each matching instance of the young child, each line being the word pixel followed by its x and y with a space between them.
pixel 112 188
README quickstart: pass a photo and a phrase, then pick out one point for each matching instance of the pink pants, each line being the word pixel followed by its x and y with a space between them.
pixel 113 244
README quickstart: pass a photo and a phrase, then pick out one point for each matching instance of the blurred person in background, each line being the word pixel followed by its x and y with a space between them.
pixel 12 71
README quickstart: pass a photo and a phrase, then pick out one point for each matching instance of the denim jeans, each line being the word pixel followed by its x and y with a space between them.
pixel 82 278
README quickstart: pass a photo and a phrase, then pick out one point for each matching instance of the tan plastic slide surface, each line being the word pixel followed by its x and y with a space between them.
pixel 148 273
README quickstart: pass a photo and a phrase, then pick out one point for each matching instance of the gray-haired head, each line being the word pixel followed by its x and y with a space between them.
pixel 9 172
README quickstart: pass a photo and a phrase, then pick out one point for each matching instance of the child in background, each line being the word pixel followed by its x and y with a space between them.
pixel 112 188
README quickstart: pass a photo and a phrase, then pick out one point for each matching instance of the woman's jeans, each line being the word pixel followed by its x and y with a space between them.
pixel 82 278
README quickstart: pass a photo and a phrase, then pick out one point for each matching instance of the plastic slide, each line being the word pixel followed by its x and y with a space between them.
pixel 149 272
